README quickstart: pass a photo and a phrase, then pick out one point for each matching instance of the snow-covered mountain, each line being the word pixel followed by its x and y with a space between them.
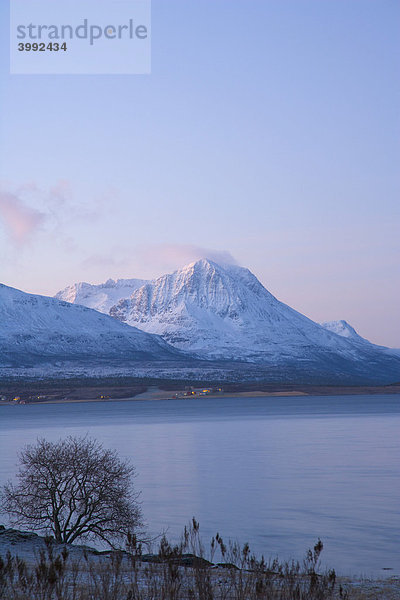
pixel 219 319
pixel 223 312
pixel 36 328
pixel 101 297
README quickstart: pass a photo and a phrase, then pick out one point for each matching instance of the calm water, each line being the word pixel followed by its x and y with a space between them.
pixel 277 472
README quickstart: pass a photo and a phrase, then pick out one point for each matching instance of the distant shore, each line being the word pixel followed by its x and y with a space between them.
pixel 159 395
pixel 176 395
pixel 48 393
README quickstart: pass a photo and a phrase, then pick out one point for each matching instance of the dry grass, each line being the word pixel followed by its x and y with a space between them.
pixel 178 572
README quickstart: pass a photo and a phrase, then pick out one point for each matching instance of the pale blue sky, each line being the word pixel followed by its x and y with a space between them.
pixel 267 129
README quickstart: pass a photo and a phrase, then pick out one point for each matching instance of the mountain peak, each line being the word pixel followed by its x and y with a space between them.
pixel 200 262
pixel 204 265
pixel 344 329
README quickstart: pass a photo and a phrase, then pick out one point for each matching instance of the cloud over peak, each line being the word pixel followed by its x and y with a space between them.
pixel 170 256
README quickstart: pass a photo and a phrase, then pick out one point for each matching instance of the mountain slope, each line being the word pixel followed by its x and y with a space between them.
pixel 37 327
pixel 101 297
pixel 223 312
pixel 344 329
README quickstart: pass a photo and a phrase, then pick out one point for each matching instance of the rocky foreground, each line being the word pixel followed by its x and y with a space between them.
pixel 32 566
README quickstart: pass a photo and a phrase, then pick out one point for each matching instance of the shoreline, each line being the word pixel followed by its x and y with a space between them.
pixel 161 395
pixel 150 396
pixel 82 395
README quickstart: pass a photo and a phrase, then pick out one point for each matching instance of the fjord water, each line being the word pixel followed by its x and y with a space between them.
pixel 278 472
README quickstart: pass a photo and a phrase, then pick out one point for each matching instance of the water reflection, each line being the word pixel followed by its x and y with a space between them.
pixel 278 472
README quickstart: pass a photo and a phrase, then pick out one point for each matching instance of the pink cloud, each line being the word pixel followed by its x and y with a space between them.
pixel 20 221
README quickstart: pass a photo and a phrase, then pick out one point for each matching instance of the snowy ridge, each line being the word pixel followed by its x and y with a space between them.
pixel 344 329
pixel 101 297
pixel 34 327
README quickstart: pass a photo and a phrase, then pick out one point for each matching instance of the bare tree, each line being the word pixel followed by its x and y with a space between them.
pixel 74 489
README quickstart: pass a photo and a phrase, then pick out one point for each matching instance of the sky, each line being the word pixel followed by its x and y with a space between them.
pixel 266 134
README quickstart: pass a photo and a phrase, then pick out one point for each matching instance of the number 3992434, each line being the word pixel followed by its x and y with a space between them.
pixel 42 47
